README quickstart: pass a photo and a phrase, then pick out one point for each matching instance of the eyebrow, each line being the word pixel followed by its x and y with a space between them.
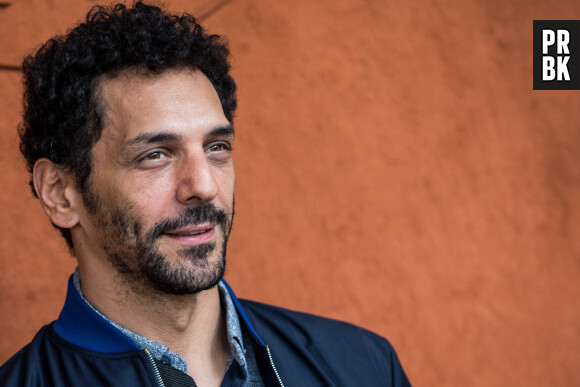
pixel 150 138
pixel 222 131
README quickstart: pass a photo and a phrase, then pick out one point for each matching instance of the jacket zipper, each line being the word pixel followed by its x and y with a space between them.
pixel 161 384
pixel 155 370
pixel 273 366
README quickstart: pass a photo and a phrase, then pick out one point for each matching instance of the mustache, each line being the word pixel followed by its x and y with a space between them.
pixel 190 216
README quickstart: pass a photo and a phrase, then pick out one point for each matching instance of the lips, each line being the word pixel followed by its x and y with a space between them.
pixel 189 233
pixel 193 235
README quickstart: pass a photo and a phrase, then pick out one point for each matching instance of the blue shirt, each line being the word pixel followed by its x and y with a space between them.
pixel 241 367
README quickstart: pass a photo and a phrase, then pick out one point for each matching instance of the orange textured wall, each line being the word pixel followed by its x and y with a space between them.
pixel 395 169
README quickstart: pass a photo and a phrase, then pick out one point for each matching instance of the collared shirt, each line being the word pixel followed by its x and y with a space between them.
pixel 241 367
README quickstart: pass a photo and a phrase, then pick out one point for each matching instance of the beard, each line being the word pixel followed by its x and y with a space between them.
pixel 136 256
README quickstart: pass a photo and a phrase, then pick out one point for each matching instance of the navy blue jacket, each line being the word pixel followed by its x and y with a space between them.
pixel 292 349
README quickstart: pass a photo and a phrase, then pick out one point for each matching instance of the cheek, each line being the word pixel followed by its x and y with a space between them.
pixel 151 198
pixel 226 182
pixel 156 201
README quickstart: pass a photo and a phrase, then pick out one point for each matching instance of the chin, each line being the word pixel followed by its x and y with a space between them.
pixel 196 269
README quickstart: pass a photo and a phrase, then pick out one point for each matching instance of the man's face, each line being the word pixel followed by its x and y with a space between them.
pixel 160 200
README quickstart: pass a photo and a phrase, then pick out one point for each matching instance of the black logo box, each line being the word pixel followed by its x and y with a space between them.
pixel 573 28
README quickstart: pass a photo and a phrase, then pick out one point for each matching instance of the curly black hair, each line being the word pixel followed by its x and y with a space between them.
pixel 62 117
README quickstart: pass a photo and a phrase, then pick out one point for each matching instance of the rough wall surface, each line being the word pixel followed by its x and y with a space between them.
pixel 395 169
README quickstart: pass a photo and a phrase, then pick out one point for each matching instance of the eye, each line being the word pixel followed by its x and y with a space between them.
pixel 154 156
pixel 219 147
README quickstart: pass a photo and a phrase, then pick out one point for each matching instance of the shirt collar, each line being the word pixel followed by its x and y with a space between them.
pixel 162 353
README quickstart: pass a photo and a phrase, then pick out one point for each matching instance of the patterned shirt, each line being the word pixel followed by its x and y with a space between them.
pixel 241 368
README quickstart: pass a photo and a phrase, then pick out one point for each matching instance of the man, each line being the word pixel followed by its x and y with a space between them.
pixel 128 136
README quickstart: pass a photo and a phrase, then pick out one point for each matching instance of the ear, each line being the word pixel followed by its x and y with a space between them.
pixel 57 193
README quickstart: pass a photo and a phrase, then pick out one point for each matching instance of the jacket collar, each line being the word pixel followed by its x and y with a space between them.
pixel 80 325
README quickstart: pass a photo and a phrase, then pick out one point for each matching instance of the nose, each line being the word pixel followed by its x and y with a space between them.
pixel 196 181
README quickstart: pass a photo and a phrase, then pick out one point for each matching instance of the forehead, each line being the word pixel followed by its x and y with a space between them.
pixel 134 103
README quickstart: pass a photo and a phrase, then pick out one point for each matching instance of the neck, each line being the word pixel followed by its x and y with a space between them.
pixel 192 326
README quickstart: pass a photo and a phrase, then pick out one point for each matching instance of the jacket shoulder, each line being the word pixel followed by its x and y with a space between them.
pixel 339 352
pixel 50 360
pixel 300 323
pixel 22 368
